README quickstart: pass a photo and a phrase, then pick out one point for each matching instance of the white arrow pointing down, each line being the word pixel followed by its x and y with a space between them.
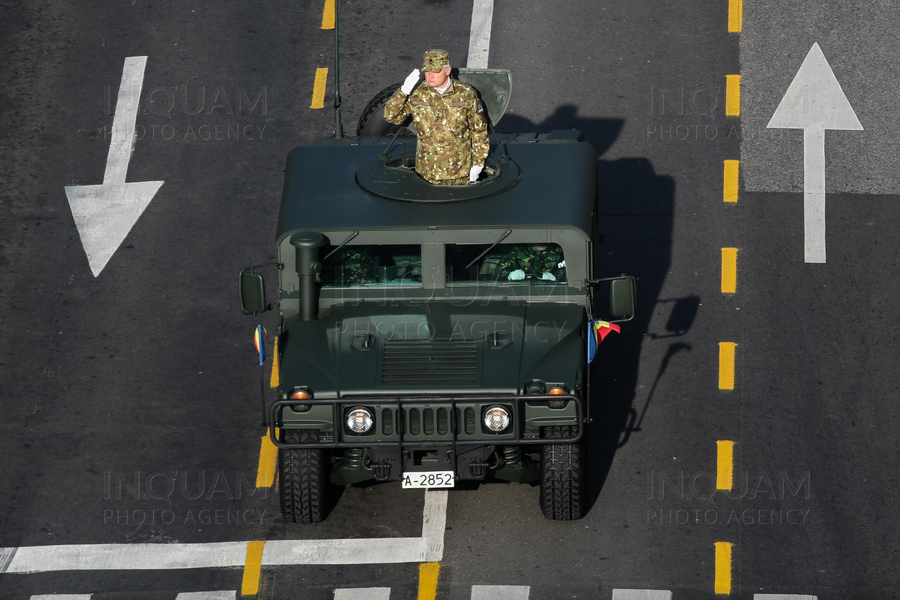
pixel 104 214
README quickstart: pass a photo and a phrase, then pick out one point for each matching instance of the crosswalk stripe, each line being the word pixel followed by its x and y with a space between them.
pixel 783 597
pixel 500 592
pixel 62 597
pixel 641 595
pixel 231 595
pixel 382 593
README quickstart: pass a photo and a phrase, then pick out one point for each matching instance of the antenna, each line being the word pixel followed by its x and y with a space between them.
pixel 338 127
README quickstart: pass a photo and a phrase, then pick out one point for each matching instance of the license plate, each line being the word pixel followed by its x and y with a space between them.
pixel 428 479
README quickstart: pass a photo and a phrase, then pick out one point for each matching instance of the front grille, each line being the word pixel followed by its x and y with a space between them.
pixel 429 363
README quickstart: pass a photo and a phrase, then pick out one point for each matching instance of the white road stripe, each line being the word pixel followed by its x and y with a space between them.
pixel 480 34
pixel 782 597
pixel 206 596
pixel 122 142
pixel 104 557
pixel 500 592
pixel 363 594
pixel 62 597
pixel 641 595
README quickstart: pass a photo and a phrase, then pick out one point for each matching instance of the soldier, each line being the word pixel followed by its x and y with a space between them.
pixel 356 265
pixel 541 261
pixel 449 121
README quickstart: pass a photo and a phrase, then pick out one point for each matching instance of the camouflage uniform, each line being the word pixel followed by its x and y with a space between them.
pixel 534 262
pixel 355 266
pixel 451 128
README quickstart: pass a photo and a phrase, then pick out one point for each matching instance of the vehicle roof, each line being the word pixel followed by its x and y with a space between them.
pixel 556 187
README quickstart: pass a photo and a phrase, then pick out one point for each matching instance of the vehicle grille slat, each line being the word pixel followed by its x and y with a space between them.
pixel 430 363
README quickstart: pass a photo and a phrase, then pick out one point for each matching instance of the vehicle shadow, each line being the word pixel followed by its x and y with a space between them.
pixel 635 209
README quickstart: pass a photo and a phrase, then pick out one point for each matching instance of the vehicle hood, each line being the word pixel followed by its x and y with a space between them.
pixel 430 349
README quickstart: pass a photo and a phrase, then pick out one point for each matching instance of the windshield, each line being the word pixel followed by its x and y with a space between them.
pixel 505 263
pixel 399 264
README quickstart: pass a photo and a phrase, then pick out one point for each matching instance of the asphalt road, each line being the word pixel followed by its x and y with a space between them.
pixel 131 398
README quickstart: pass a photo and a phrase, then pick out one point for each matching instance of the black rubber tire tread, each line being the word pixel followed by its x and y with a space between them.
pixel 303 478
pixel 371 121
pixel 562 484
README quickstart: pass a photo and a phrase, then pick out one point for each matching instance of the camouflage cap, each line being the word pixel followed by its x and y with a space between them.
pixel 435 60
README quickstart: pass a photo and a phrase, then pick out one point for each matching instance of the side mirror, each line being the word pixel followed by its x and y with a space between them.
pixel 622 297
pixel 622 292
pixel 253 292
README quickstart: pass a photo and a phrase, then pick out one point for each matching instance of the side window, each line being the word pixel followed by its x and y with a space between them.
pixel 505 263
pixel 372 265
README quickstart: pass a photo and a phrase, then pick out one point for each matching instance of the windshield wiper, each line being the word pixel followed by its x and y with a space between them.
pixel 491 247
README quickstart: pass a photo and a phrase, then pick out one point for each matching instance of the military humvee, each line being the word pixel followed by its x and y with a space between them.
pixel 406 351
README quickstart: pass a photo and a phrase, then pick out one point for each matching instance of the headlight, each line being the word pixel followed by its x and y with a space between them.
pixel 496 418
pixel 360 420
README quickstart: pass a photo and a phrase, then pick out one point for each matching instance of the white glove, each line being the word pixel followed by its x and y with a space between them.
pixel 548 277
pixel 517 275
pixel 474 172
pixel 411 80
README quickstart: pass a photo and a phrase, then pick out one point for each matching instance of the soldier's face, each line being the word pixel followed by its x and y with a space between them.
pixel 439 79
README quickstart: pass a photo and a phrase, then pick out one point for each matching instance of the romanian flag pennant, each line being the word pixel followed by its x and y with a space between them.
pixel 260 337
pixel 597 332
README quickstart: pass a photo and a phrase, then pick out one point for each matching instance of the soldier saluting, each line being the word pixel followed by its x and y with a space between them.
pixel 449 121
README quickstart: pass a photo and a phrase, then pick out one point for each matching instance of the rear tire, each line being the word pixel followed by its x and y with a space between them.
pixel 372 122
pixel 562 484
pixel 303 478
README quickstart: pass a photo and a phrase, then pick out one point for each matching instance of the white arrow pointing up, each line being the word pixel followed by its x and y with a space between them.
pixel 814 102
pixel 104 214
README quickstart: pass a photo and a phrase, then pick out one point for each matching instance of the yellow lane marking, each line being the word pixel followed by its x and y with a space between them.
pixel 252 568
pixel 328 15
pixel 318 99
pixel 729 270
pixel 274 381
pixel 428 580
pixel 730 187
pixel 268 457
pixel 735 15
pixel 733 95
pixel 724 465
pixel 723 567
pixel 726 365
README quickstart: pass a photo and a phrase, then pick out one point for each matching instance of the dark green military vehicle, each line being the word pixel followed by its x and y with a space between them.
pixel 414 344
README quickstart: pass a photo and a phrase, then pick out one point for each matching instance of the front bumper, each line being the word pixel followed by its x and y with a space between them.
pixel 428 422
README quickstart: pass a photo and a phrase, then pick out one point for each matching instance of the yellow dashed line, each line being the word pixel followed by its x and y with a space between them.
pixel 268 458
pixel 726 365
pixel 252 568
pixel 730 183
pixel 274 381
pixel 735 15
pixel 328 15
pixel 724 465
pixel 723 567
pixel 428 580
pixel 729 270
pixel 318 99
pixel 733 95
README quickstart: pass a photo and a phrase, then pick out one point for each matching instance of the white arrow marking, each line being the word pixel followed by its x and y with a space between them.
pixel 814 102
pixel 104 214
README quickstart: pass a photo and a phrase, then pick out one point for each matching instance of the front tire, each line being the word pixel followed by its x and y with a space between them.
pixel 303 478
pixel 562 483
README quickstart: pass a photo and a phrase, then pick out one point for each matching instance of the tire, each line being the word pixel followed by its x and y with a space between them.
pixel 303 478
pixel 372 122
pixel 562 484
